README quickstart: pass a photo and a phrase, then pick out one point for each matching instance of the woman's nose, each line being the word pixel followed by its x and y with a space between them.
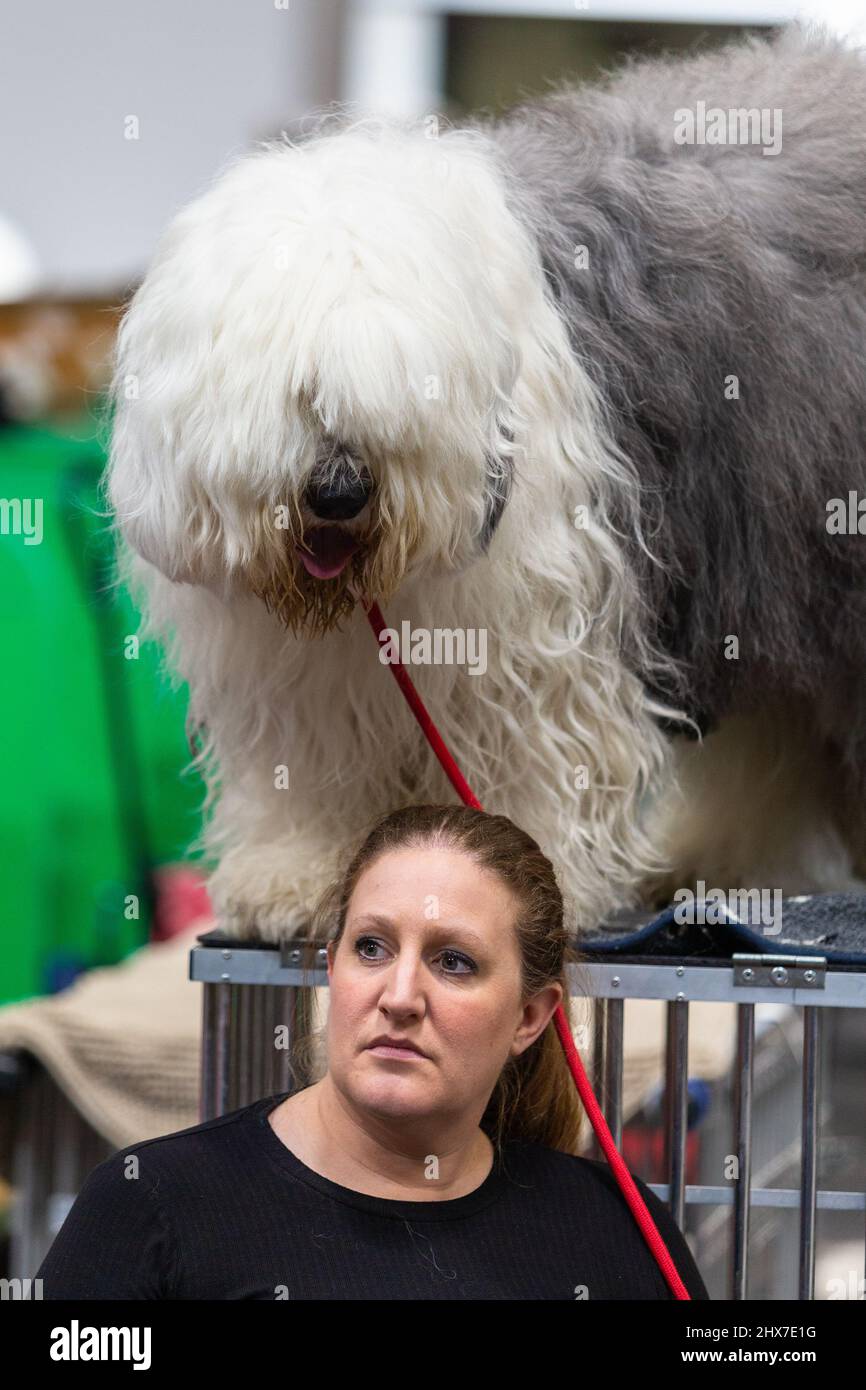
pixel 402 988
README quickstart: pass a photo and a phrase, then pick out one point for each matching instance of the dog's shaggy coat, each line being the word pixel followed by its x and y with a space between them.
pixel 600 388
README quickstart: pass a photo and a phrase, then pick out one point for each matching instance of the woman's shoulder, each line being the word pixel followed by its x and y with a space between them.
pixel 181 1151
pixel 120 1238
pixel 588 1190
pixel 181 1146
pixel 576 1168
pixel 589 1176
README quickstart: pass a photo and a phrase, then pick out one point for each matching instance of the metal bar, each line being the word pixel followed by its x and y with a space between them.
pixel 25 1210
pixel 242 1053
pixel 599 1008
pixel 303 1021
pixel 613 1065
pixel 65 1159
pixel 809 1154
pixel 235 1043
pixel 676 1104
pixel 216 1050
pixel 207 1084
pixel 250 966
pixel 283 1021
pixel 782 1197
pixel 608 980
pixel 258 1077
pixel 743 1094
pixel 238 1046
pixel 270 1006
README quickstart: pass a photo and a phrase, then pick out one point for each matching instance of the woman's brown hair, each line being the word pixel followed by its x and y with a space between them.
pixel 535 1096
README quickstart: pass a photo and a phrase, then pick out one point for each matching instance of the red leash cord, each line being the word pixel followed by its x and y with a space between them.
pixel 605 1138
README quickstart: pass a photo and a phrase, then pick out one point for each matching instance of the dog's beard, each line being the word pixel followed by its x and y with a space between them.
pixel 308 606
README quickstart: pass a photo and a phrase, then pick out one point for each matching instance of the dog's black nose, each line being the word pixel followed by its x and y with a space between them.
pixel 338 496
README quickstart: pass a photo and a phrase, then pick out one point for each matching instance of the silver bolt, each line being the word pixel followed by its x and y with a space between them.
pixel 747 973
pixel 779 975
pixel 681 970
pixel 808 976
pixel 616 982
pixel 225 975
pixel 227 955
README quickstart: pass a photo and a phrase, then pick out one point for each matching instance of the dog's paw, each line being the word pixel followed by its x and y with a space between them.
pixel 253 903
pixel 656 891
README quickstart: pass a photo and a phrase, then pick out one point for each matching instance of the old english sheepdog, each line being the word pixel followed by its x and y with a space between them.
pixel 587 381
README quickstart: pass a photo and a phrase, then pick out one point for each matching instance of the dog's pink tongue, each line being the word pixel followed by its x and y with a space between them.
pixel 331 551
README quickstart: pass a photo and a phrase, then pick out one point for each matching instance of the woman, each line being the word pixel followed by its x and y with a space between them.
pixel 435 1158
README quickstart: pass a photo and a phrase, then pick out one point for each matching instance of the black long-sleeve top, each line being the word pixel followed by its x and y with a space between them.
pixel 224 1210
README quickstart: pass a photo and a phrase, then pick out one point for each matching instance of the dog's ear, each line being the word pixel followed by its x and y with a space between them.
pixel 173 526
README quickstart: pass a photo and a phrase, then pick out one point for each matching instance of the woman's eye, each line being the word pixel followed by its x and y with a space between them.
pixel 361 943
pixel 449 958
pixel 455 955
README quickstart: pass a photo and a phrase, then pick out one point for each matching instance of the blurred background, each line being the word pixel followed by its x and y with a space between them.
pixel 113 115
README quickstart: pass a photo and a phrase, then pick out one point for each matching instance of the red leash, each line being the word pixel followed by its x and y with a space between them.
pixel 585 1091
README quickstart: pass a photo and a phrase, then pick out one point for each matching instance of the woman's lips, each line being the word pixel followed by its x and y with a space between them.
pixel 382 1050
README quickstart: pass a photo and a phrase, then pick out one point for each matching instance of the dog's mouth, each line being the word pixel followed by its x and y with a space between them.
pixel 326 550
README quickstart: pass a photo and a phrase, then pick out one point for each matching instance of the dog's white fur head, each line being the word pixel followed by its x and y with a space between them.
pixel 364 308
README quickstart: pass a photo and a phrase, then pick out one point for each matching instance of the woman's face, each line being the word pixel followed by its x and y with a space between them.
pixel 428 954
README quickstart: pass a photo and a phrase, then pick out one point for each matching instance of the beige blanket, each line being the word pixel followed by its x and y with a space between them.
pixel 123 1041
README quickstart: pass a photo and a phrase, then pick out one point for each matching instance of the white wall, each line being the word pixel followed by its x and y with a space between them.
pixel 204 78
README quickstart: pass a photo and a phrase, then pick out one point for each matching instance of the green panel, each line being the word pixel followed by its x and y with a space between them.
pixel 92 744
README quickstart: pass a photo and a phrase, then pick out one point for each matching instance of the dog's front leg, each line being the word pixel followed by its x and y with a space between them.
pixel 266 889
pixel 275 839
pixel 288 811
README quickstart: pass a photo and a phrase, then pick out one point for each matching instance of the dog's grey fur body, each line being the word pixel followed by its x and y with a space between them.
pixel 705 261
